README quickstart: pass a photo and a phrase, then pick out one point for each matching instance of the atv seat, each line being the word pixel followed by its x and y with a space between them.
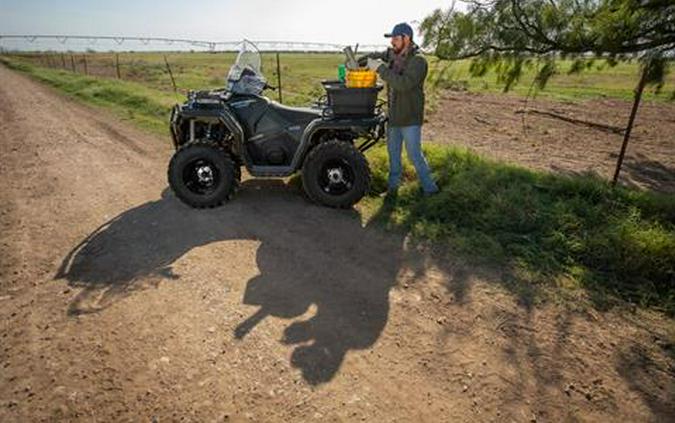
pixel 298 115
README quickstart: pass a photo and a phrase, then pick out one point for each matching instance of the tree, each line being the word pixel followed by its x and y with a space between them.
pixel 507 35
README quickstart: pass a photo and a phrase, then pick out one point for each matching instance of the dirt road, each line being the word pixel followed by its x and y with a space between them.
pixel 118 303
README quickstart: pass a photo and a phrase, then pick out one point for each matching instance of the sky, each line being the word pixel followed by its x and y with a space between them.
pixel 345 22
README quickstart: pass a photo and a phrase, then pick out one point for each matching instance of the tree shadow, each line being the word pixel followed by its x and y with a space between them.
pixel 647 378
pixel 642 172
pixel 637 171
pixel 308 255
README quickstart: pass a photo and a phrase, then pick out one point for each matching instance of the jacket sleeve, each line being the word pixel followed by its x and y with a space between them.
pixel 413 74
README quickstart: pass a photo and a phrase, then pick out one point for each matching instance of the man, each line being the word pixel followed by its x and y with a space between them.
pixel 404 72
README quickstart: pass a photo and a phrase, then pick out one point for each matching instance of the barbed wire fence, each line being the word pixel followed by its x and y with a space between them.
pixel 118 56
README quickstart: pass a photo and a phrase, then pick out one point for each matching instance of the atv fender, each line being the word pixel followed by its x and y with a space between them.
pixel 354 124
pixel 224 116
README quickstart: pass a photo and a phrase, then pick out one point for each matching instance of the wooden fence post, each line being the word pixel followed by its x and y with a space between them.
pixel 72 63
pixel 63 60
pixel 84 59
pixel 117 65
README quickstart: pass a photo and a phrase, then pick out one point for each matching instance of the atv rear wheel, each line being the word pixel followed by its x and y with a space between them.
pixel 336 174
pixel 203 175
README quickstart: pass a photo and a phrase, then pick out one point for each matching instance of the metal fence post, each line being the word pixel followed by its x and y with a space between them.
pixel 117 65
pixel 173 81
pixel 279 78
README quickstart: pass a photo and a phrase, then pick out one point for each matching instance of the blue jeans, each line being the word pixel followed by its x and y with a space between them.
pixel 413 146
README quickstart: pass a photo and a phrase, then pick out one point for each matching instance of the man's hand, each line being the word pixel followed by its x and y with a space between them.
pixel 374 64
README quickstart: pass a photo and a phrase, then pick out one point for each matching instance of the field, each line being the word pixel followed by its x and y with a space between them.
pixel 302 74
pixel 528 289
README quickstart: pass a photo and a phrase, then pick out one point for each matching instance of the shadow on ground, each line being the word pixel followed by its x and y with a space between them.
pixel 310 255
pixel 651 174
pixel 307 255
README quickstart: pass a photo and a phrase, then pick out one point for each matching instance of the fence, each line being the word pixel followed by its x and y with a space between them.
pixel 200 70
pixel 96 64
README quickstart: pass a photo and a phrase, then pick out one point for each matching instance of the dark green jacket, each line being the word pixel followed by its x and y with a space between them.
pixel 405 91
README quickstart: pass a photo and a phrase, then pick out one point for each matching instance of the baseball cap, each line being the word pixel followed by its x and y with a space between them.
pixel 401 29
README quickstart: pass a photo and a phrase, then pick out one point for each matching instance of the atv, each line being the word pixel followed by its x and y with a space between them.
pixel 217 132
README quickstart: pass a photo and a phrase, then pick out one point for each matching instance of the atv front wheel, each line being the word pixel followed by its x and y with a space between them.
pixel 203 175
pixel 336 174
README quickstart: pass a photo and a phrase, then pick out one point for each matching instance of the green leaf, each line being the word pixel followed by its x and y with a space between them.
pixel 544 74
pixel 656 72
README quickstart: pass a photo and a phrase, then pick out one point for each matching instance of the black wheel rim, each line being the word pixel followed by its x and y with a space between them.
pixel 336 177
pixel 201 176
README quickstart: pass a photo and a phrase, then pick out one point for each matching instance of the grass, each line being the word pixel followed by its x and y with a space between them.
pixel 598 81
pixel 543 230
pixel 302 74
pixel 546 232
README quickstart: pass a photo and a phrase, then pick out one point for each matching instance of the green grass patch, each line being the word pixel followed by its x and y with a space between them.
pixel 544 231
pixel 598 80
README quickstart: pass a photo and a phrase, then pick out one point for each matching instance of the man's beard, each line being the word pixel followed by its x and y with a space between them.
pixel 400 50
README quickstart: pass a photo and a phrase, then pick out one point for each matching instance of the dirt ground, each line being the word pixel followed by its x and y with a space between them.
pixel 560 136
pixel 118 303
